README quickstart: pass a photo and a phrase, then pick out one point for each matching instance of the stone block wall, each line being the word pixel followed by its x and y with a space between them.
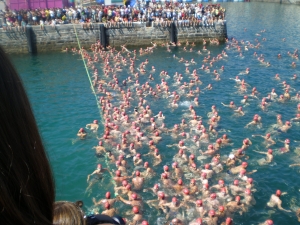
pixel 59 37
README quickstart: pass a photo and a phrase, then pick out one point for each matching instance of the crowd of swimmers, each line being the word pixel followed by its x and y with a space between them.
pixel 114 16
pixel 131 127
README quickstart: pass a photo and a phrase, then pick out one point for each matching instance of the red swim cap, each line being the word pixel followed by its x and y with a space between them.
pixel 221 182
pixel 243 172
pixel 221 208
pixel 118 173
pixel 278 193
pixel 192 156
pixel 193 181
pixel 135 209
pixel 166 168
pixel 199 202
pixel 250 180
pixel 99 166
pixel 212 212
pixel 244 164
pixel 138 155
pixel 203 175
pixel 206 166
pixel 213 195
pixel 161 194
pixel 95 121
pixel 137 173
pixel 287 141
pixel 269 222
pixel 174 199
pixel 124 183
pixel 155 186
pixel 128 187
pixel 236 182
pixel 100 143
pixel 156 150
pixel 228 221
pixel 174 164
pixel 199 220
pixel 146 164
pixel 145 222
pixel 164 175
pixel 134 196
pixel 186 191
pixel 270 151
pixel 107 195
pixel 248 191
pixel 180 182
pixel 237 198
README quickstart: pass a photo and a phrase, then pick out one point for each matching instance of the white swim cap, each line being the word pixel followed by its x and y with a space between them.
pixel 231 156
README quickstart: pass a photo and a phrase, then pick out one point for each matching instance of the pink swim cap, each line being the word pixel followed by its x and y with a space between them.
pixel 135 209
pixel 221 182
pixel 161 194
pixel 228 221
pixel 174 199
pixel 145 222
pixel 192 156
pixel 95 121
pixel 166 168
pixel 212 212
pixel 248 191
pixel 278 193
pixel 107 195
pixel 269 222
pixel 213 195
pixel 186 191
pixel 206 166
pixel 199 202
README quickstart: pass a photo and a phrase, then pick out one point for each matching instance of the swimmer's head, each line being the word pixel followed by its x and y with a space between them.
pixel 134 196
pixel 199 202
pixel 118 173
pixel 145 222
pixel 138 156
pixel 213 196
pixel 287 141
pixel 174 164
pixel 212 213
pixel 246 141
pixel 180 151
pixel 164 175
pixel 135 209
pixel 236 182
pixel 174 200
pixel 192 156
pixel 193 181
pixel 99 166
pixel 221 208
pixel 224 136
pixel 207 166
pixel 278 193
pixel 269 222
pixel 270 151
pixel 268 135
pixel 161 195
pixel 81 130
pixel 155 187
pixel 243 172
pixel 107 195
pixel 210 146
pixel 186 191
pixel 244 164
pixel 228 221
pixel 231 156
pixel 205 186
pixel 124 183
pixel 194 165
pixel 237 198
pixel 288 123
pixel 151 142
pixel 137 173
pixel 223 190
pixel 95 121
pixel 248 191
pixel 166 168
pixel 221 182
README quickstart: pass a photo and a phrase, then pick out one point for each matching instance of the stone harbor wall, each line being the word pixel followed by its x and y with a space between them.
pixel 34 39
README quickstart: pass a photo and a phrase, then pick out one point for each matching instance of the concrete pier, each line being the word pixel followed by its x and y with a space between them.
pixel 63 36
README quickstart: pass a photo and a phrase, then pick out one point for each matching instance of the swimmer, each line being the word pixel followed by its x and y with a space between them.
pixel 268 140
pixel 81 133
pixel 137 181
pixel 174 206
pixel 212 219
pixel 99 149
pixel 236 206
pixel 275 201
pixel 107 199
pixel 98 175
pixel 159 202
pixel 240 111
pixel 231 105
pixel 93 126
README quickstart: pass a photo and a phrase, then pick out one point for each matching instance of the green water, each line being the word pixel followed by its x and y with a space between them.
pixel 63 102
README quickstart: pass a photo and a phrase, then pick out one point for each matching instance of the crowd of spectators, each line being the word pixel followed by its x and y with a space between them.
pixel 142 12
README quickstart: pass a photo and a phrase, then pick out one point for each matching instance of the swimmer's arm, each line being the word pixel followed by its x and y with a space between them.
pixel 253 171
pixel 279 207
pixel 125 201
pixel 260 152
pixel 296 164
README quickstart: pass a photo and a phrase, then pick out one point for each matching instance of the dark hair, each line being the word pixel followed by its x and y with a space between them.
pixel 27 186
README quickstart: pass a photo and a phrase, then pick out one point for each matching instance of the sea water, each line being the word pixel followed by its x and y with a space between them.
pixel 62 100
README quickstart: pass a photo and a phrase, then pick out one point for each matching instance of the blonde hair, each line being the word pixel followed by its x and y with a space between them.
pixel 66 213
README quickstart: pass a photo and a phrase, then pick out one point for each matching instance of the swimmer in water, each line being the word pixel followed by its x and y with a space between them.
pixel 81 133
pixel 268 140
pixel 93 126
pixel 97 176
pixel 275 201
pixel 269 155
